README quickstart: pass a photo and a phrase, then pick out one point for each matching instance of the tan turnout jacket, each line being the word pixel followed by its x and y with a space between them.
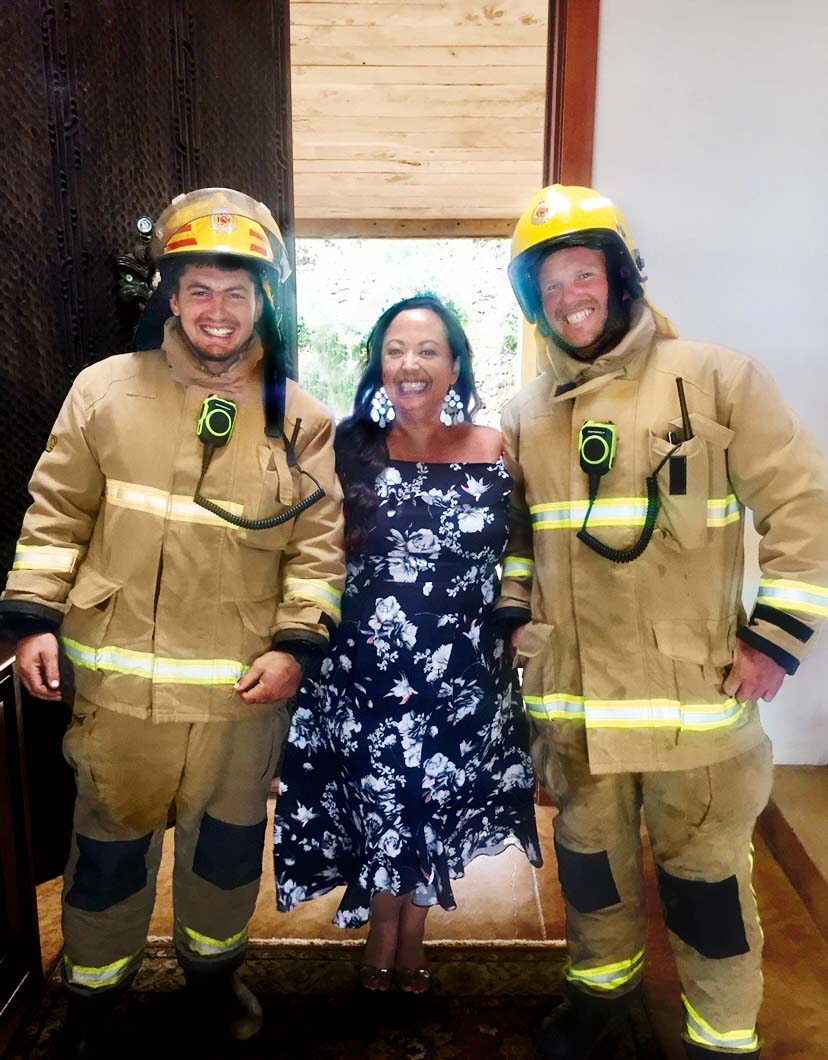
pixel 165 605
pixel 625 662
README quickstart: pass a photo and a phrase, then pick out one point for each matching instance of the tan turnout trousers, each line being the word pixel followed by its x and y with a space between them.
pixel 130 772
pixel 700 823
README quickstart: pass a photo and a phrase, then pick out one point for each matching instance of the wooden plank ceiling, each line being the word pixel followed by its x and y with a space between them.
pixel 421 118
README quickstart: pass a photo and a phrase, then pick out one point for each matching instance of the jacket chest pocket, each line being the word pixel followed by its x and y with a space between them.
pixel 269 494
pixel 685 481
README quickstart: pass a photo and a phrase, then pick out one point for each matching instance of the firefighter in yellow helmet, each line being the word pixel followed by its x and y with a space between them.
pixel 184 544
pixel 634 455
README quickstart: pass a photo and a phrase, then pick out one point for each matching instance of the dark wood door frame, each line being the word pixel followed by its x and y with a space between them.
pixel 571 69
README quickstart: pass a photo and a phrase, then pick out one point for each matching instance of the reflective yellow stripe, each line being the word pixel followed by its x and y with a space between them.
pixel 209 947
pixel 608 511
pixel 751 857
pixel 608 976
pixel 49 558
pixel 620 511
pixel 95 978
pixel 176 507
pixel 723 512
pixel 318 591
pixel 518 567
pixel 700 1031
pixel 634 714
pixel 787 595
pixel 155 668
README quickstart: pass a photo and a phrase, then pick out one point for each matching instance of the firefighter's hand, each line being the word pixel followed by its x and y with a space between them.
pixel 515 634
pixel 37 664
pixel 272 677
pixel 753 675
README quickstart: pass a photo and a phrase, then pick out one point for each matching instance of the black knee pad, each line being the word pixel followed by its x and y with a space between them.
pixel 107 872
pixel 586 880
pixel 229 855
pixel 707 916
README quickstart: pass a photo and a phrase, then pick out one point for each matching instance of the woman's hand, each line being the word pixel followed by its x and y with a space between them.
pixel 515 635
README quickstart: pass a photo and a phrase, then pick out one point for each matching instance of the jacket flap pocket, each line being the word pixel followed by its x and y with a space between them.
pixel 534 638
pixel 696 642
pixel 273 462
pixel 258 615
pixel 91 588
pixel 709 430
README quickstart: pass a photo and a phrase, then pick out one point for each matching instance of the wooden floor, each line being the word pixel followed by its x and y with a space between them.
pixel 505 898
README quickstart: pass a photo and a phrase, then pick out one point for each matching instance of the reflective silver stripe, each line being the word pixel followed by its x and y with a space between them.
pixel 518 567
pixel 700 1031
pixel 316 590
pixel 176 507
pixel 569 515
pixel 154 668
pixel 722 512
pixel 634 714
pixel 555 706
pixel 608 976
pixel 787 595
pixel 94 978
pixel 49 558
pixel 210 947
pixel 620 511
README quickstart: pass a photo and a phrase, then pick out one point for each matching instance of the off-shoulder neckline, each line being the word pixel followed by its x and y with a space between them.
pixel 448 463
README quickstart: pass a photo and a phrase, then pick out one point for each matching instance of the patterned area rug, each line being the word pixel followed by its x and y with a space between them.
pixel 487 1002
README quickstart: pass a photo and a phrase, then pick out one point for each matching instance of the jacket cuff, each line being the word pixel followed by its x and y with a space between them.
pixel 508 618
pixel 788 662
pixel 306 648
pixel 22 618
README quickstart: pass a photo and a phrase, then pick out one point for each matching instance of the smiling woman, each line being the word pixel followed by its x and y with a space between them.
pixel 411 746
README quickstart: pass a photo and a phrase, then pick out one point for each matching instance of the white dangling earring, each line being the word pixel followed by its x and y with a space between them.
pixel 382 411
pixel 451 412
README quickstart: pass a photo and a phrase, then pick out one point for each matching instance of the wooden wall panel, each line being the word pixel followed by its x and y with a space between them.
pixel 425 113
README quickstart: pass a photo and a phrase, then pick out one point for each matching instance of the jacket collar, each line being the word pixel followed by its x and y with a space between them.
pixel 236 384
pixel 570 373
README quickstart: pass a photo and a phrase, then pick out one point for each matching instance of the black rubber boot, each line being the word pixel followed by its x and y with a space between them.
pixel 698 1052
pixel 224 1001
pixel 579 1023
pixel 88 1031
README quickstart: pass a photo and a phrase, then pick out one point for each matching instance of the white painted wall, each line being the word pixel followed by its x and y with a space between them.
pixel 712 136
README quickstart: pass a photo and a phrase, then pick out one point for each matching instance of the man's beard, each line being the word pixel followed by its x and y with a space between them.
pixel 218 364
pixel 615 328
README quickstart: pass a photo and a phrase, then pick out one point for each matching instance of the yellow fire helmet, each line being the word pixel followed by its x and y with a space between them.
pixel 213 221
pixel 569 216
pixel 220 221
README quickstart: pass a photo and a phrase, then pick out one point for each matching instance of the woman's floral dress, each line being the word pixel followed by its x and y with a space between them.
pixel 407 757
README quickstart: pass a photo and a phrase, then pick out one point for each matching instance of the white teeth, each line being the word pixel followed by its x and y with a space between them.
pixel 412 387
pixel 219 333
pixel 579 317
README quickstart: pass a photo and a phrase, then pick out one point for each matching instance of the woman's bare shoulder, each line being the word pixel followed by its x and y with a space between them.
pixel 485 443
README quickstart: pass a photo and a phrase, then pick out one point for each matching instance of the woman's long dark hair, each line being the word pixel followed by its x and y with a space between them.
pixel 361 449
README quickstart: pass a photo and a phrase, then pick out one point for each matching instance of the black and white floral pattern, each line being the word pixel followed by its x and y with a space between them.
pixel 407 756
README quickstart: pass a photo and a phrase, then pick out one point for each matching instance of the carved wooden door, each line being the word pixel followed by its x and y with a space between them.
pixel 109 110
pixel 115 107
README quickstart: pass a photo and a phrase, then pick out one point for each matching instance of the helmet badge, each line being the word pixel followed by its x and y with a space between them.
pixel 224 223
pixel 541 213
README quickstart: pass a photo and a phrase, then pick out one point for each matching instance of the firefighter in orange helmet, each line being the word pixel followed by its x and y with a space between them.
pixel 185 545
